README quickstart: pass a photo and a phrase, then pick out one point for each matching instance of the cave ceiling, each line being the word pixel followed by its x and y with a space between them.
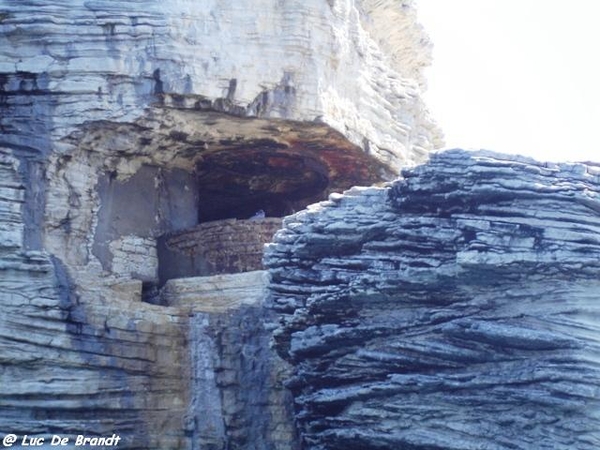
pixel 236 154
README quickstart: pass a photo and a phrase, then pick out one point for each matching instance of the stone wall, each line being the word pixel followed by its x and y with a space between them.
pixel 220 246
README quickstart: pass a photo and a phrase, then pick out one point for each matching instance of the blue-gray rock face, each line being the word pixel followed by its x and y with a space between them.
pixel 120 123
pixel 458 308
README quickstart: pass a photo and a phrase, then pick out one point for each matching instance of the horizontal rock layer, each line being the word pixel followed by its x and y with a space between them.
pixel 116 120
pixel 200 375
pixel 217 293
pixel 67 63
pixel 71 368
pixel 455 309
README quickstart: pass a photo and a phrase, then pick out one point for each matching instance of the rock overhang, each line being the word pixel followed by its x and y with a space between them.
pixel 251 158
pixel 176 167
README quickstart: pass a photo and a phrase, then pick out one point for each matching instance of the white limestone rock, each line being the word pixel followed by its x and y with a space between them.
pixel 217 293
pixel 354 64
pixel 100 99
pixel 12 197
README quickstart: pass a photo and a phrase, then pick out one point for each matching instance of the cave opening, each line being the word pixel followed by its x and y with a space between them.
pixel 162 223
pixel 243 195
pixel 269 179
pixel 183 202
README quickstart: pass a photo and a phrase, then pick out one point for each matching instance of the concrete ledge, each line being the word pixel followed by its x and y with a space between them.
pixel 217 293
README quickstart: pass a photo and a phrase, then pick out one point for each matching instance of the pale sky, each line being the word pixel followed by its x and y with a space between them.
pixel 516 76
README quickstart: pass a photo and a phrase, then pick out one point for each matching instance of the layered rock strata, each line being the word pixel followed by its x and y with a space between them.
pixel 455 309
pixel 123 122
pixel 74 62
pixel 196 375
pixel 69 367
pixel 131 123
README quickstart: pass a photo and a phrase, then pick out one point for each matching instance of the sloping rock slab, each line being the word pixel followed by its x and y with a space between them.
pixel 458 308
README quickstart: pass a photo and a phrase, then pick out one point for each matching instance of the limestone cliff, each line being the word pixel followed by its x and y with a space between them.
pixel 197 112
pixel 456 308
pixel 140 141
pixel 126 125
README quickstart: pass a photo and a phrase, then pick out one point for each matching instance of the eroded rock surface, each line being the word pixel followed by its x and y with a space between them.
pixel 68 367
pixel 129 121
pixel 74 62
pixel 122 122
pixel 455 309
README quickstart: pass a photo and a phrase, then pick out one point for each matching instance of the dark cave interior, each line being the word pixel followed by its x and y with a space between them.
pixel 237 184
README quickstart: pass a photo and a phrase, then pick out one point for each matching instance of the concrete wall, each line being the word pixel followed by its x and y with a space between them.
pixel 135 211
